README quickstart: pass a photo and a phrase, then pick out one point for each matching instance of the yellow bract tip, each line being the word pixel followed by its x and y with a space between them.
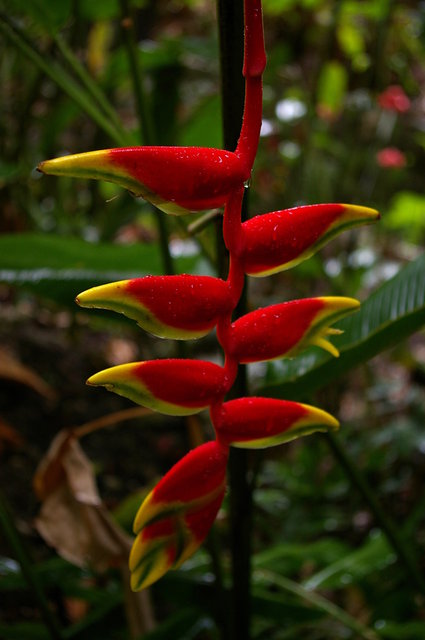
pixel 357 212
pixel 97 296
pixel 318 417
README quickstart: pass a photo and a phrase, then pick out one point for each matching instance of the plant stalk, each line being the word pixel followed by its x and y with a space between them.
pixel 231 27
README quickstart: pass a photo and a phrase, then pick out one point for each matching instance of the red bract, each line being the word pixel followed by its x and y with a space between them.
pixel 282 239
pixel 285 329
pixel 257 423
pixel 175 179
pixel 177 515
pixel 174 387
pixel 181 307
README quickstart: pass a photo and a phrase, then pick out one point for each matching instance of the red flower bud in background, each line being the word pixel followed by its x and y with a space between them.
pixel 257 423
pixel 174 387
pixel 181 307
pixel 282 239
pixel 391 158
pixel 176 516
pixel 394 98
pixel 287 328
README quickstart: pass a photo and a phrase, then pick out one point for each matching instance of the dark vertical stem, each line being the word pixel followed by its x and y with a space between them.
pixel 230 25
pixel 230 20
pixel 240 523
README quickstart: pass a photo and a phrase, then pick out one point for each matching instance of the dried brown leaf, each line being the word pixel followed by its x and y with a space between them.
pixel 74 520
pixel 9 436
pixel 12 369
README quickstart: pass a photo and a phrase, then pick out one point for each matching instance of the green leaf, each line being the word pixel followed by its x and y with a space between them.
pixel 49 16
pixel 281 608
pixel 392 313
pixel 24 631
pixel 407 214
pixel 186 624
pixel 316 601
pixel 332 89
pixel 372 557
pixel 204 125
pixel 287 558
pixel 401 631
pixel 59 267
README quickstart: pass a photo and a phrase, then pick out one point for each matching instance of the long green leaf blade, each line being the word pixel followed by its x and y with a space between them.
pixel 317 602
pixel 61 267
pixel 392 313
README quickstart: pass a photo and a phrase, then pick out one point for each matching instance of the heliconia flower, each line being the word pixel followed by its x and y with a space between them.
pixel 176 516
pixel 287 328
pixel 170 386
pixel 257 423
pixel 280 240
pixel 181 307
pixel 177 180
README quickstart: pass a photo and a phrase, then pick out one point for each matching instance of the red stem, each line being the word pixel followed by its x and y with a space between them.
pixel 253 68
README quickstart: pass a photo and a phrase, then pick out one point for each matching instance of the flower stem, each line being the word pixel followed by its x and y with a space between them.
pixel 231 21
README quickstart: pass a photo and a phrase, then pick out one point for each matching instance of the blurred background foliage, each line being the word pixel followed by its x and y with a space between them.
pixel 338 531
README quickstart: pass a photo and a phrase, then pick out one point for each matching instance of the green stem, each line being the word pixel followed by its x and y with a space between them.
pixel 231 21
pixel 12 536
pixel 382 518
pixel 59 75
pixel 147 132
pixel 91 87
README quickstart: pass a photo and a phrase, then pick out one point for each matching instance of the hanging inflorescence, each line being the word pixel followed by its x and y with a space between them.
pixel 176 516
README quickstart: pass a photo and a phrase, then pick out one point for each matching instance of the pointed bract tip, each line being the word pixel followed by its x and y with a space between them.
pixel 108 377
pixel 79 165
pixel 96 295
pixel 358 212
pixel 340 303
pixel 318 417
